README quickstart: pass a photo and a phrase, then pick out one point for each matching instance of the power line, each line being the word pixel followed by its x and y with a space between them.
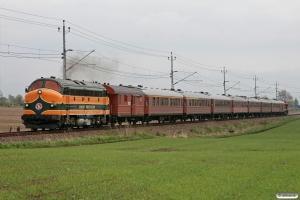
pixel 117 40
pixel 39 58
pixel 29 14
pixel 243 75
pixel 128 64
pixel 11 52
pixel 144 75
pixel 119 73
pixel 117 47
pixel 187 60
pixel 195 66
pixel 27 21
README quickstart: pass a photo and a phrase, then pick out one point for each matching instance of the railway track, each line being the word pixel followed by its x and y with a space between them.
pixel 25 133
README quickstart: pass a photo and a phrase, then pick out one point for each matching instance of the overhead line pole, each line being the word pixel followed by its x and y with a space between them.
pixel 224 71
pixel 64 54
pixel 64 50
pixel 255 79
pixel 276 89
pixel 172 72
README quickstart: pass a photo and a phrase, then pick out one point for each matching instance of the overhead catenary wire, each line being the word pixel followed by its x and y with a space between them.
pixel 17 53
pixel 117 40
pixel 119 73
pixel 128 64
pixel 117 47
pixel 135 74
pixel 39 58
pixel 188 60
pixel 195 66
pixel 28 21
pixel 29 14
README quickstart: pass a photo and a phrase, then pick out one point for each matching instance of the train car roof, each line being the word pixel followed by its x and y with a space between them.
pixel 238 98
pixel 75 84
pixel 220 97
pixel 162 93
pixel 276 101
pixel 265 100
pixel 195 95
pixel 117 89
pixel 253 99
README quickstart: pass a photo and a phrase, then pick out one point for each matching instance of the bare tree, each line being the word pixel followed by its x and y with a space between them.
pixel 285 96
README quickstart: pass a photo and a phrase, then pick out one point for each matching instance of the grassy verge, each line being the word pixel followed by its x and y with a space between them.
pixel 254 166
pixel 202 130
pixel 76 142
pixel 262 128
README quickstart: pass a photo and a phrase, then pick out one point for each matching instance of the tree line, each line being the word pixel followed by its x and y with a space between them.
pixel 11 101
pixel 285 96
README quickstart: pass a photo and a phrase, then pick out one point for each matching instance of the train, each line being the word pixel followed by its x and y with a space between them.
pixel 53 103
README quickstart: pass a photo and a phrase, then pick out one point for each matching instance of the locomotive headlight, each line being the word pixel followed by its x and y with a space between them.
pixel 52 105
pixel 39 91
pixel 26 105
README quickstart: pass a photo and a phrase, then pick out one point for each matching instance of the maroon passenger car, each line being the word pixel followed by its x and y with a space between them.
pixel 240 106
pixel 163 105
pixel 254 107
pixel 196 106
pixel 126 103
pixel 221 106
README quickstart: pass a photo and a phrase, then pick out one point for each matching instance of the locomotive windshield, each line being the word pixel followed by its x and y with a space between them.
pixel 49 84
pixel 35 85
pixel 53 86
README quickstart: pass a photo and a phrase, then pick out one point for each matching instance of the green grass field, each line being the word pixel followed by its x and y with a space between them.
pixel 255 166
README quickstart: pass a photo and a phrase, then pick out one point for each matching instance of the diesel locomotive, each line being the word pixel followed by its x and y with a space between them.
pixel 56 103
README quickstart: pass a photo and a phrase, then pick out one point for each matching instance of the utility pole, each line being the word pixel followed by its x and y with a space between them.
pixel 172 72
pixel 64 51
pixel 255 79
pixel 64 54
pixel 224 84
pixel 276 89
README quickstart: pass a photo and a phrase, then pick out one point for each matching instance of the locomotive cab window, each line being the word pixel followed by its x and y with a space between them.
pixel 35 85
pixel 53 86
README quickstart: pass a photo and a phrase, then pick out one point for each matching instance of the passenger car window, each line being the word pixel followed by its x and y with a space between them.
pixel 35 85
pixel 53 86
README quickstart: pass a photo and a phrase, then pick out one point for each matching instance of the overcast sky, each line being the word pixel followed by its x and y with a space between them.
pixel 248 38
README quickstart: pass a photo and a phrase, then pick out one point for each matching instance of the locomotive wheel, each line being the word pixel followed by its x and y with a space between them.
pixel 34 129
pixel 159 121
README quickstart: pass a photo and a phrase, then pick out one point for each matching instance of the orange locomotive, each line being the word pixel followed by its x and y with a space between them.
pixel 56 103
